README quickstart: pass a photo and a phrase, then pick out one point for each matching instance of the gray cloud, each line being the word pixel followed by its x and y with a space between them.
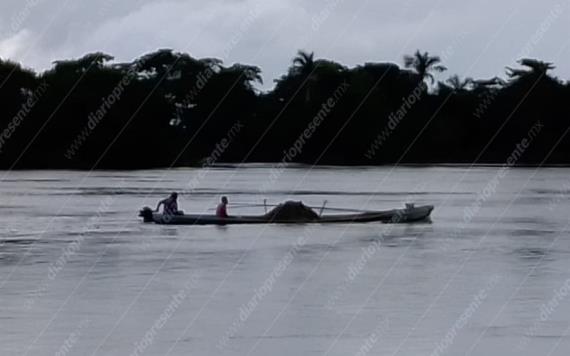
pixel 476 38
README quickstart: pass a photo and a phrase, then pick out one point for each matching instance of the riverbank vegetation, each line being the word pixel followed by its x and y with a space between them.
pixel 170 109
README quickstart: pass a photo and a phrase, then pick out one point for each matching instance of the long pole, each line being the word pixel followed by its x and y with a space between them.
pixel 265 205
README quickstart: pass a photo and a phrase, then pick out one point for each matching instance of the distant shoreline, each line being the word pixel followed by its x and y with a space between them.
pixel 257 165
pixel 168 108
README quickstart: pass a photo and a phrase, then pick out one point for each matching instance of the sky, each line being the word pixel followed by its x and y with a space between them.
pixel 474 38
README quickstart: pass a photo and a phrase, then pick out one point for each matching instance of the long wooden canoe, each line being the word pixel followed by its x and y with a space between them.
pixel 406 215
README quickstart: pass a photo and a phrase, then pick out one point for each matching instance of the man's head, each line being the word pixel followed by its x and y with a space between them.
pixel 174 195
pixel 225 200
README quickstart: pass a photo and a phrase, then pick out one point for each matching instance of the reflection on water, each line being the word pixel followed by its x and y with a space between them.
pixel 113 284
pixel 531 253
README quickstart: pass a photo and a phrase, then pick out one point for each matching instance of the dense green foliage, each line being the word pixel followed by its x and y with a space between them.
pixel 168 108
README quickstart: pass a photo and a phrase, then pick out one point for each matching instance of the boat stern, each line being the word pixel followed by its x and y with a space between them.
pixel 146 214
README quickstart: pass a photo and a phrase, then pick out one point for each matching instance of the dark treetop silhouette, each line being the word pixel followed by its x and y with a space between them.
pixel 168 108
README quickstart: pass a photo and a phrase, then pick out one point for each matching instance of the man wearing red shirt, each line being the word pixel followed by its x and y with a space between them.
pixel 221 210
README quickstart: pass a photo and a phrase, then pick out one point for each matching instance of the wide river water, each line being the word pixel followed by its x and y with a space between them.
pixel 80 274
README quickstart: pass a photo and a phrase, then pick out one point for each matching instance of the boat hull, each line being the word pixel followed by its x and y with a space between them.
pixel 395 216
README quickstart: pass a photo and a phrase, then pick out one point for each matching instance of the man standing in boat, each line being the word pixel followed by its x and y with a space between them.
pixel 222 209
pixel 170 205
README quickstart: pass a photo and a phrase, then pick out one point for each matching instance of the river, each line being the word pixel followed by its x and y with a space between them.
pixel 80 274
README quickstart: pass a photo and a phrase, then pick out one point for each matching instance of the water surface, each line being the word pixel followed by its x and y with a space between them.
pixel 80 274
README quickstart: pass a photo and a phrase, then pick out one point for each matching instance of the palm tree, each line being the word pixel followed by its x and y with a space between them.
pixel 534 69
pixel 455 85
pixel 424 65
pixel 458 84
pixel 304 64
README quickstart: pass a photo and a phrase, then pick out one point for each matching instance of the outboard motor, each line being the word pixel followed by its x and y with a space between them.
pixel 146 214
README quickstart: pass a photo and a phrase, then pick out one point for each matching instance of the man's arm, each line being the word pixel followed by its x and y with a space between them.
pixel 159 204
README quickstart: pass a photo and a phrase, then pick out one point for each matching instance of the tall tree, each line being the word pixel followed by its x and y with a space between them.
pixel 304 64
pixel 424 65
pixel 96 60
pixel 458 84
pixel 533 69
pixel 249 74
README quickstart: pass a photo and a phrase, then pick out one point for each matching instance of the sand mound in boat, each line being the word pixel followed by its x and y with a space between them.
pixel 292 211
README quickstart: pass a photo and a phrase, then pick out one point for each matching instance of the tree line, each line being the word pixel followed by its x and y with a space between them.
pixel 171 109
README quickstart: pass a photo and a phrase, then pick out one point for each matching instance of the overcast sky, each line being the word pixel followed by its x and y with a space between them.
pixel 475 38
